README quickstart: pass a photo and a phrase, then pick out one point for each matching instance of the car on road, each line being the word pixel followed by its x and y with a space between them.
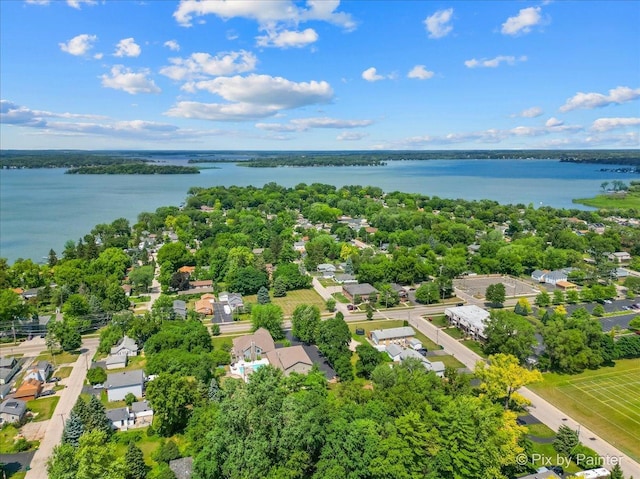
pixel 53 379
pixel 49 392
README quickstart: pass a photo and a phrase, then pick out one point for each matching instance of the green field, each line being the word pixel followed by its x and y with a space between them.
pixel 293 299
pixel 43 408
pixel 606 401
pixel 607 202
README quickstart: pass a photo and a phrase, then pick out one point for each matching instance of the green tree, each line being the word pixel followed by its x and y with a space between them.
pixel 12 306
pixel 73 429
pixel 115 299
pixel 62 462
pixel 427 293
pixel 598 310
pixel 558 296
pixel 96 375
pixel 616 472
pixel 136 467
pixel 130 398
pixel 333 338
pixel 543 299
pixel 97 419
pixel 369 310
pixel 141 278
pixel 96 457
pixel 330 305
pixel 268 316
pixel 263 296
pixel 566 441
pixel 171 397
pixel 76 306
pixel 305 322
pixel 496 294
pixel 509 333
pixel 634 324
pixel 573 296
pixel 168 451
pixel 66 334
pixel 368 359
pixel 279 288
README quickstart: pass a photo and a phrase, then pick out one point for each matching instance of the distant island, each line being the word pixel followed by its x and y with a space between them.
pixel 316 160
pixel 134 169
pixel 61 159
pixel 618 197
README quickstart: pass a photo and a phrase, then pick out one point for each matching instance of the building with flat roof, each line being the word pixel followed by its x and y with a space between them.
pixel 470 319
pixel 385 337
pixel 363 290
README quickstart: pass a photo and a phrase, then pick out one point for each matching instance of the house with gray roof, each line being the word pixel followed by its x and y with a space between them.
pixel 385 337
pixel 5 389
pixel 12 410
pixel 291 359
pixel 118 385
pixel 250 346
pixel 126 346
pixel 345 279
pixel 180 308
pixel 142 413
pixel 8 368
pixel 234 300
pixel 116 361
pixel 40 372
pixel 120 418
pixel 363 290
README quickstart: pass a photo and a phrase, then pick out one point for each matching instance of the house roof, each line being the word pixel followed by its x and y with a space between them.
pixel 393 350
pixel 436 366
pixel 262 339
pixel 393 333
pixel 472 315
pixel 182 467
pixel 13 406
pixel 7 362
pixel 125 379
pixel 556 275
pixel 186 269
pixel 118 414
pixel 345 277
pixel 29 387
pixel 113 359
pixel 140 406
pixel 360 289
pixel 285 358
pixel 408 353
pixel 201 283
pixel 127 343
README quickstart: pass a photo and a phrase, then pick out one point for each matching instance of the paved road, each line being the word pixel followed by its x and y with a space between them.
pixel 68 397
pixel 540 408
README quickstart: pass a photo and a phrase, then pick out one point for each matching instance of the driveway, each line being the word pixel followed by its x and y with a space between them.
pixel 314 354
pixel 16 462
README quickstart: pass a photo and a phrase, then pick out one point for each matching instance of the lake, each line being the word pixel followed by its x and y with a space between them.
pixel 43 208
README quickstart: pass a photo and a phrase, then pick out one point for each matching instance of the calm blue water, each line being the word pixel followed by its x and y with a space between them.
pixel 42 209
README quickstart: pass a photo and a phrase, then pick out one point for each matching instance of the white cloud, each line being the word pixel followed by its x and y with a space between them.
pixel 78 3
pixel 172 45
pixel 350 136
pixel 127 47
pixel 371 74
pixel 200 65
pixel 132 82
pixel 288 38
pixel 494 62
pixel 606 124
pixel 265 12
pixel 438 24
pixel 252 97
pixel 38 2
pixel 553 122
pixel 522 23
pixel 619 95
pixel 79 45
pixel 304 124
pixel 420 72
pixel 532 112
pixel 98 56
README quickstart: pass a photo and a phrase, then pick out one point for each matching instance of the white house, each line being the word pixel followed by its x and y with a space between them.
pixel 142 413
pixel 120 418
pixel 116 361
pixel 620 257
pixel 394 351
pixel 126 346
pixel 385 337
pixel 118 385
pixel 12 410
pixel 40 372
pixel 471 319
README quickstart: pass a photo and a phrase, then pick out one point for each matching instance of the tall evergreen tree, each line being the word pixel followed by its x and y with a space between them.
pixel 73 429
pixel 98 420
pixel 133 458
pixel 566 441
pixel 81 409
pixel 214 391
pixel 263 296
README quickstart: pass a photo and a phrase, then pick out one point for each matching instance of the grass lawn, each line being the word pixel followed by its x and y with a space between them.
pixel 59 357
pixel 293 298
pixel 610 202
pixel 474 346
pixel 341 298
pixel 63 372
pixel 220 341
pixel 440 321
pixel 547 451
pixel 541 430
pixel 43 407
pixel 135 362
pixel 454 333
pixel 606 400
pixel 7 434
pixel 449 361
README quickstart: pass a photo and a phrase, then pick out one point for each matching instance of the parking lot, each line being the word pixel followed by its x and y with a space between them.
pixel 476 286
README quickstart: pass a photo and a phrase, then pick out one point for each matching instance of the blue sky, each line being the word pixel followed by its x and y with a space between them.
pixel 319 74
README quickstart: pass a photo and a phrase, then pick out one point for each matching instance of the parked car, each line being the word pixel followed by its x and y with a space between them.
pixel 53 379
pixel 422 351
pixel 47 393
pixel 350 307
pixel 98 386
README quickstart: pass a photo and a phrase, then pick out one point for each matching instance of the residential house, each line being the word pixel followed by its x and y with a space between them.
pixel 116 361
pixel 299 246
pixel 291 359
pixel 41 371
pixel 415 343
pixel 250 346
pixel 125 347
pixel 327 269
pixel 188 270
pixel 201 284
pixel 235 301
pixel 12 410
pixel 471 319
pixel 345 279
pixel 120 418
pixel 394 351
pixel 180 308
pixel 362 290
pixel 222 313
pixel 127 288
pixel 402 293
pixel 538 275
pixel 182 468
pixel 28 390
pixel 620 257
pixel 205 304
pixel 398 336
pixel 620 273
pixel 398 354
pixel 8 368
pixel 551 277
pixel 30 293
pixel 142 413
pixel 5 390
pixel 118 385
pixel 566 285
